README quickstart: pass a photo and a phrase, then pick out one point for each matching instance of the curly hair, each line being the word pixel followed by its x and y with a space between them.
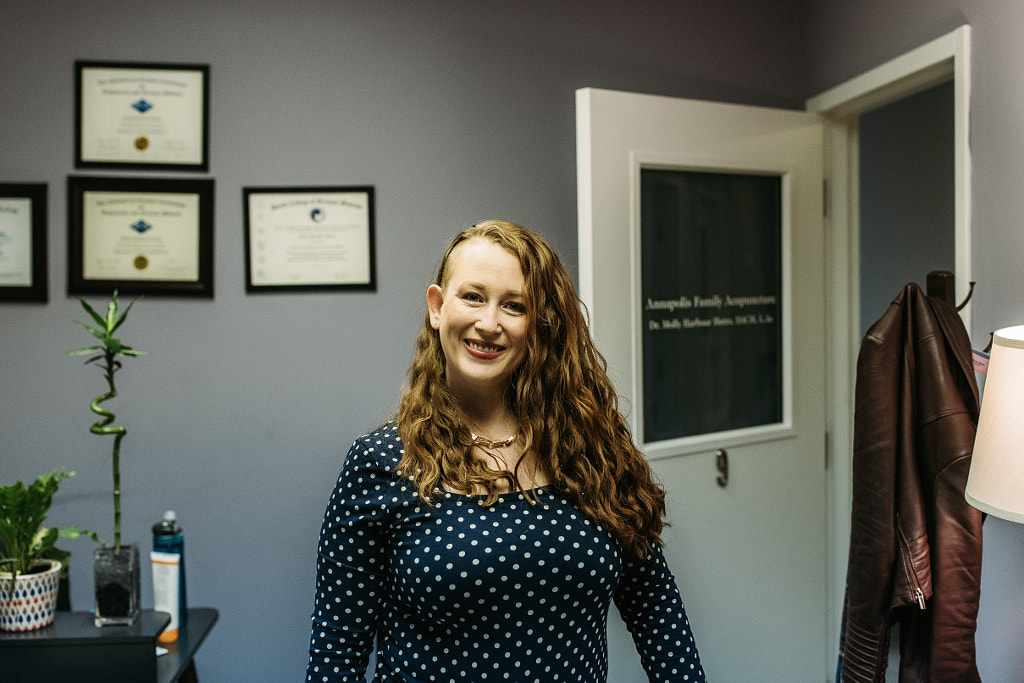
pixel 560 395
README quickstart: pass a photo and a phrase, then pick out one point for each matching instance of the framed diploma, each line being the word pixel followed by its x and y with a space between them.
pixel 149 236
pixel 23 275
pixel 309 238
pixel 151 116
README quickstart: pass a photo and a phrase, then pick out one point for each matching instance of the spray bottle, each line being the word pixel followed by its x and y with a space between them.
pixel 168 559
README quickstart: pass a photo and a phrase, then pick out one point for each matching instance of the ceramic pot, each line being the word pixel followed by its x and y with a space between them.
pixel 117 577
pixel 33 601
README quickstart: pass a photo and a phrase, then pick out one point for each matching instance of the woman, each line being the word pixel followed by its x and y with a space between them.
pixel 482 535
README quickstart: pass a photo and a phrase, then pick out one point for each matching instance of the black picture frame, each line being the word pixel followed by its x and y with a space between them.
pixel 309 238
pixel 102 211
pixel 118 122
pixel 35 262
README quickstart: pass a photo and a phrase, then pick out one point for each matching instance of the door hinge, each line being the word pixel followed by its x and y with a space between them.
pixel 828 449
pixel 824 197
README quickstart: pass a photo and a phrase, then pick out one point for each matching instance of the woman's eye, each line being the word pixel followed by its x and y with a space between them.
pixel 472 296
pixel 516 307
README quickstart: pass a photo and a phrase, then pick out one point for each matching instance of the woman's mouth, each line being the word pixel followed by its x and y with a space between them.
pixel 482 350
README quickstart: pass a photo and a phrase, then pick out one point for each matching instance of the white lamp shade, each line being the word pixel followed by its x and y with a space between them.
pixel 996 481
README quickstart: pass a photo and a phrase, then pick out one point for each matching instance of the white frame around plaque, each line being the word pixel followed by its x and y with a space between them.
pixel 724 439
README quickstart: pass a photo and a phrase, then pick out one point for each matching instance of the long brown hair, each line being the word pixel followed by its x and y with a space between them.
pixel 561 396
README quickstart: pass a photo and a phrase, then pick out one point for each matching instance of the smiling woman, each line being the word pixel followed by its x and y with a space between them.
pixel 480 313
pixel 485 531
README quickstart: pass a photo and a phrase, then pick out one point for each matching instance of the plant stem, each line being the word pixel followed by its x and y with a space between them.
pixel 101 427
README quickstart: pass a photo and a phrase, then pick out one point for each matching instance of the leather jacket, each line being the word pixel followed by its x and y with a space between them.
pixel 915 544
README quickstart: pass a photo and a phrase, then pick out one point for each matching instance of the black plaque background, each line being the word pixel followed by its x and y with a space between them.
pixel 707 234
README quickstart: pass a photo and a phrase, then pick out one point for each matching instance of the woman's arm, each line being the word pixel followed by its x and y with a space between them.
pixel 351 568
pixel 653 611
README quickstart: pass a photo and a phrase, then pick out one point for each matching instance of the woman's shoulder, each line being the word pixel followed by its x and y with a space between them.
pixel 382 445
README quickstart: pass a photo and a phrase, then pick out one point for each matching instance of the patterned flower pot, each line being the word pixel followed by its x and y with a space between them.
pixel 118 583
pixel 32 603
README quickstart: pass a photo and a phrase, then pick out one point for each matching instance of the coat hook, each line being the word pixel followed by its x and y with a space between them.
pixel 722 465
pixel 970 292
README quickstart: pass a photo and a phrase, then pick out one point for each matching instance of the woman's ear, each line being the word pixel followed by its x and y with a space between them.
pixel 435 297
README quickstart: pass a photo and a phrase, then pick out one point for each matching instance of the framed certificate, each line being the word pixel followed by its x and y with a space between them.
pixel 23 275
pixel 140 236
pixel 309 238
pixel 151 116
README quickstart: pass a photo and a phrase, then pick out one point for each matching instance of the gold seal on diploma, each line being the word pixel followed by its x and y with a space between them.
pixel 141 262
pixel 141 143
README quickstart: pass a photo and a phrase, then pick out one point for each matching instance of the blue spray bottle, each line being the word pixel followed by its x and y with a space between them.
pixel 168 559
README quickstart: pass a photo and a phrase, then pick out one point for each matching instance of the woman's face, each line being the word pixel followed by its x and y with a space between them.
pixel 481 317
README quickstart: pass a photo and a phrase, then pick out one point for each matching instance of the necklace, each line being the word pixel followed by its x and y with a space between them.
pixel 487 443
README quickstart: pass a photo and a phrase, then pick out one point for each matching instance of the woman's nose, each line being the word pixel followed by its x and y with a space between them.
pixel 488 320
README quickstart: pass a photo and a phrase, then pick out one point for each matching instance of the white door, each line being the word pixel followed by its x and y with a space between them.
pixel 750 558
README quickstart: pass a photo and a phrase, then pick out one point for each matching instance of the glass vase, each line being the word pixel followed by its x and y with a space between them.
pixel 118 585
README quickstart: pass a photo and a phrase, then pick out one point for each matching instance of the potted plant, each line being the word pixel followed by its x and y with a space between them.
pixel 30 563
pixel 116 568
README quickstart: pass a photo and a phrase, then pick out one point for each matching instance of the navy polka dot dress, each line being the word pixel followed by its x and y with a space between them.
pixel 456 591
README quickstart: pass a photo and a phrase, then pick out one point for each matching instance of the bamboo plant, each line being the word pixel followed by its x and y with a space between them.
pixel 106 354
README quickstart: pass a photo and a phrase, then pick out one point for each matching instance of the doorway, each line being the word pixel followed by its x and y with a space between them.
pixel 943 60
pixel 906 207
pixel 906 196
pixel 619 135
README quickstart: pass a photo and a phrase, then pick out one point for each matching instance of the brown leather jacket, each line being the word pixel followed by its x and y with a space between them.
pixel 915 545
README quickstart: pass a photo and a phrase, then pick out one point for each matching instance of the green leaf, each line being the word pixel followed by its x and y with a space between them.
pixel 99 334
pixel 45 541
pixel 89 309
pixel 111 316
pixel 82 352
pixel 75 532
pixel 124 314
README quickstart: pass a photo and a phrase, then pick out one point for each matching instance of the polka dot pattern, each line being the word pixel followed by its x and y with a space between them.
pixel 457 591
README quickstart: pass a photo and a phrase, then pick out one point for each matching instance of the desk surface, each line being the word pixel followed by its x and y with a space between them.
pixel 87 644
pixel 78 628
pixel 170 666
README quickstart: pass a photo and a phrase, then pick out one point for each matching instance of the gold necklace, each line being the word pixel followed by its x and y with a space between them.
pixel 487 443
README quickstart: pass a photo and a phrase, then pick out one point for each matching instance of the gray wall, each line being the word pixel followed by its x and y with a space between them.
pixel 242 412
pixel 846 38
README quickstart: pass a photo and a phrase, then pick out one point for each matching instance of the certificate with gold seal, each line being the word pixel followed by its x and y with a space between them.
pixel 309 238
pixel 141 235
pixel 142 115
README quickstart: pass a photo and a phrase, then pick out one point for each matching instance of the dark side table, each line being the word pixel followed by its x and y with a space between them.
pixel 73 649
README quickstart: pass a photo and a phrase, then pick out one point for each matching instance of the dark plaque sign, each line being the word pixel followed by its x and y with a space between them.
pixel 711 258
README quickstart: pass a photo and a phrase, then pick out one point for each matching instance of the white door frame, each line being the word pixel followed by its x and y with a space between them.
pixel 943 59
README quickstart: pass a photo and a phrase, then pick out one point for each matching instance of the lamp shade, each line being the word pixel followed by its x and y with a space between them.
pixel 996 482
